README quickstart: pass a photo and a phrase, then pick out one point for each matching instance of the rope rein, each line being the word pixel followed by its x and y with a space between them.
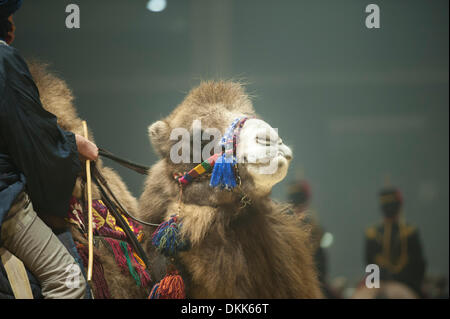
pixel 138 168
pixel 104 183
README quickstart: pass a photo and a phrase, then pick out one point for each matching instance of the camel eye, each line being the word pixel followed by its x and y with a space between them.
pixel 263 141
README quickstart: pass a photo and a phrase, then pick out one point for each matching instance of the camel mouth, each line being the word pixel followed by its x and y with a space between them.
pixel 276 166
pixel 280 157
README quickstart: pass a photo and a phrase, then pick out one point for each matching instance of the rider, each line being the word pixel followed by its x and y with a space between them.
pixel 39 163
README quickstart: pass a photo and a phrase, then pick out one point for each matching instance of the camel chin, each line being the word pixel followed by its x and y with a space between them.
pixel 263 154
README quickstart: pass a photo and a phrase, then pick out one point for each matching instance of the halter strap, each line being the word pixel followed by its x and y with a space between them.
pixel 202 168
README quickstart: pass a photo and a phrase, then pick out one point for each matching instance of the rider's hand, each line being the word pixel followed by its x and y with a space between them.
pixel 86 148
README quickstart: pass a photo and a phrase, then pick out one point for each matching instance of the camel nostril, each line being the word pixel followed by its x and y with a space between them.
pixel 286 152
pixel 286 155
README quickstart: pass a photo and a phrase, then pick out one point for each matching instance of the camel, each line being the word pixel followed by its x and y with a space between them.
pixel 241 244
pixel 57 98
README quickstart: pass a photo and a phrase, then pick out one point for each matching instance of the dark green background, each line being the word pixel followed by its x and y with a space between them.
pixel 355 104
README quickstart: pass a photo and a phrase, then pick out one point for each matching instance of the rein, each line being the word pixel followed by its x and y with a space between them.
pixel 138 168
pixel 104 183
pixel 100 181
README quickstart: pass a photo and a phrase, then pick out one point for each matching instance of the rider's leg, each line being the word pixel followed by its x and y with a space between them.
pixel 26 236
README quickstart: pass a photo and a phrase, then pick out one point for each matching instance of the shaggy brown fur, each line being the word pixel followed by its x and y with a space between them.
pixel 254 252
pixel 57 98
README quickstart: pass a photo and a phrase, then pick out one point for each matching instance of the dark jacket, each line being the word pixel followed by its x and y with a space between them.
pixel 401 258
pixel 36 155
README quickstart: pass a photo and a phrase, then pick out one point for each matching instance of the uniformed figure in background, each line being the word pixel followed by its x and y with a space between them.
pixel 395 245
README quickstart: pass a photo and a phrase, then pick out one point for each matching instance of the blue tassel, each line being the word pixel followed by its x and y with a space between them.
pixel 223 173
pixel 216 174
pixel 228 177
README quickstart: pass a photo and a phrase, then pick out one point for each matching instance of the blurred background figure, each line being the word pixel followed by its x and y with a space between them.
pixel 395 246
pixel 299 195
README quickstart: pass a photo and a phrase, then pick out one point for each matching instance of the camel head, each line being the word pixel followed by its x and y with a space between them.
pixel 241 244
pixel 193 132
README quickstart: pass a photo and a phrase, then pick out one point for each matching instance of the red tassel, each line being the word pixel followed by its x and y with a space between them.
pixel 170 287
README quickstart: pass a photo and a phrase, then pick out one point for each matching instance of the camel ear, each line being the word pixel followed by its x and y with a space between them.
pixel 158 130
pixel 159 135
